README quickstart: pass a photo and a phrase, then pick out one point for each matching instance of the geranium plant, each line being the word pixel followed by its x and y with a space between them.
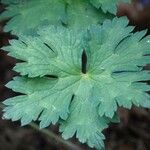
pixel 79 63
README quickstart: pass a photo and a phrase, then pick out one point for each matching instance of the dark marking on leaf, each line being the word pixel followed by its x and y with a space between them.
pixel 24 43
pixel 48 46
pixel 121 42
pixel 51 76
pixel 72 97
pixel 84 62
pixel 122 71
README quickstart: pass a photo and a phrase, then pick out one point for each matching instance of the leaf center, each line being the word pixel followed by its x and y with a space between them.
pixel 84 62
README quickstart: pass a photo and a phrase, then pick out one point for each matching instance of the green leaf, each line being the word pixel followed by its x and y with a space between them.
pixel 30 14
pixel 115 62
pixel 85 123
pixel 55 88
pixel 52 55
pixel 108 5
pixel 12 1
pixel 81 14
pixel 43 98
pixel 48 99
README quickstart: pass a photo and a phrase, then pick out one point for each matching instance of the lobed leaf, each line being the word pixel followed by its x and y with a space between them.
pixel 56 89
pixel 27 15
pixel 85 123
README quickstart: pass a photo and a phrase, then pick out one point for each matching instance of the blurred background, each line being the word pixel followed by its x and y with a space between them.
pixel 133 132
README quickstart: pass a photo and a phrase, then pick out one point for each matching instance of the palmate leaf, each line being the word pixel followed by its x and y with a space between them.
pixel 55 87
pixel 108 5
pixel 47 97
pixel 28 15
